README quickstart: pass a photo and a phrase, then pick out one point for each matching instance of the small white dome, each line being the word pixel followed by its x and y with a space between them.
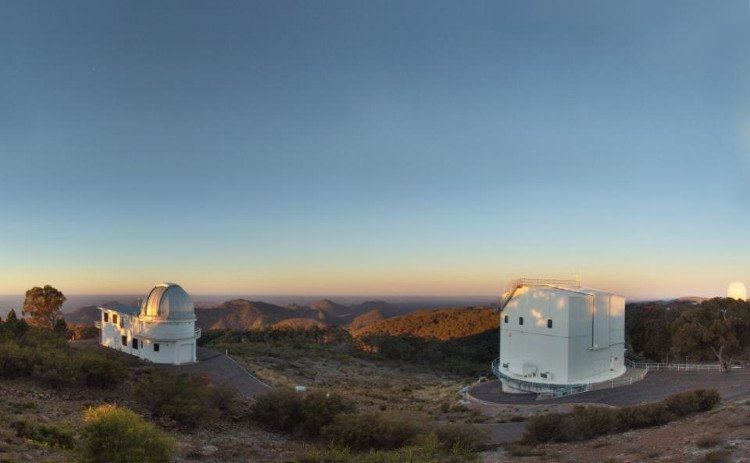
pixel 168 301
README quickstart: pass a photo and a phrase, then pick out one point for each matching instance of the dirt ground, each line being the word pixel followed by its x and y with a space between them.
pixel 371 384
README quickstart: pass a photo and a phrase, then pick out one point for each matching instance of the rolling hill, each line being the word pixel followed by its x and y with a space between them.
pixel 365 319
pixel 441 324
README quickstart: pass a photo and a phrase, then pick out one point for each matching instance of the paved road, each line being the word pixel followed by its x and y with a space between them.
pixel 221 368
pixel 655 386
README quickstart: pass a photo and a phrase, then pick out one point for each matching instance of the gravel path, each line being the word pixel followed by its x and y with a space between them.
pixel 221 368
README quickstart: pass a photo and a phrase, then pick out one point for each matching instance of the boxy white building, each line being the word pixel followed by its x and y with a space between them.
pixel 557 335
pixel 161 330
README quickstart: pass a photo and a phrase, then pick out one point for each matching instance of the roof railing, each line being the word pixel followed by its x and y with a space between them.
pixel 574 283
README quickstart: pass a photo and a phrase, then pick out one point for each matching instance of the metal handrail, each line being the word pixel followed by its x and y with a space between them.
pixel 673 366
pixel 557 390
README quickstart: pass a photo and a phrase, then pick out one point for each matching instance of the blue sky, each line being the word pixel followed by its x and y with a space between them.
pixel 374 147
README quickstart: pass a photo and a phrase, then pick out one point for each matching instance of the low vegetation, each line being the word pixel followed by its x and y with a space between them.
pixel 48 434
pixel 468 356
pixel 188 401
pixel 45 356
pixel 303 415
pixel 113 434
pixel 429 451
pixel 585 423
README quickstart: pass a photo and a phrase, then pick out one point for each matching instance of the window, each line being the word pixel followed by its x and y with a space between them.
pixel 156 347
pixel 549 323
pixel 114 318
pixel 105 316
pixel 121 323
pixel 124 340
pixel 135 343
pixel 506 319
pixel 520 320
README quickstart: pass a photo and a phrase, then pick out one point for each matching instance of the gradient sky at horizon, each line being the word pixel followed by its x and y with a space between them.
pixel 406 148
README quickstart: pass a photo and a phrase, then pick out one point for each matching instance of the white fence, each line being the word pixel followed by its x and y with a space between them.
pixel 674 366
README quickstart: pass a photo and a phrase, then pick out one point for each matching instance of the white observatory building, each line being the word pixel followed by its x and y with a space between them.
pixel 161 330
pixel 558 337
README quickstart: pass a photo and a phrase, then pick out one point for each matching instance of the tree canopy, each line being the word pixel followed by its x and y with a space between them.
pixel 43 306
pixel 717 328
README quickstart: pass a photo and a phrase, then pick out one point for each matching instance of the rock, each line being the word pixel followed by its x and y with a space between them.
pixel 209 449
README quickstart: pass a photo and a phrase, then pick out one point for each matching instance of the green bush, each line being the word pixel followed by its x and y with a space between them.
pixel 301 414
pixel 58 366
pixel 15 360
pixel 99 371
pixel 544 428
pixel 55 368
pixel 112 434
pixel 49 434
pixel 686 403
pixel 460 436
pixel 643 416
pixel 588 422
pixel 186 399
pixel 383 431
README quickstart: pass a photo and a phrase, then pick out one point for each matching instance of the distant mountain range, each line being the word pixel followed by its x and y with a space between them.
pixel 242 314
pixel 363 319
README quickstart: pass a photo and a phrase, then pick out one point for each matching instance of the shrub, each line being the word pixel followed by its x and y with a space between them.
pixel 55 368
pixel 99 371
pixel 366 431
pixel 689 402
pixel 587 422
pixel 642 416
pixel 543 428
pixel 50 434
pixel 463 436
pixel 59 366
pixel 186 399
pixel 708 440
pixel 299 414
pixel 716 456
pixel 112 434
pixel 14 360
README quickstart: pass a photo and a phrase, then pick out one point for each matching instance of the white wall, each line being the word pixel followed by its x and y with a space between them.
pixel 584 344
pixel 173 351
pixel 534 346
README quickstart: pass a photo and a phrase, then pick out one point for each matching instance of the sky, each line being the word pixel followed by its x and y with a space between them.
pixel 385 148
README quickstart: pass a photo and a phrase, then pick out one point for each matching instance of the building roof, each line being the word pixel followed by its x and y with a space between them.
pixel 573 289
pixel 168 301
pixel 120 308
